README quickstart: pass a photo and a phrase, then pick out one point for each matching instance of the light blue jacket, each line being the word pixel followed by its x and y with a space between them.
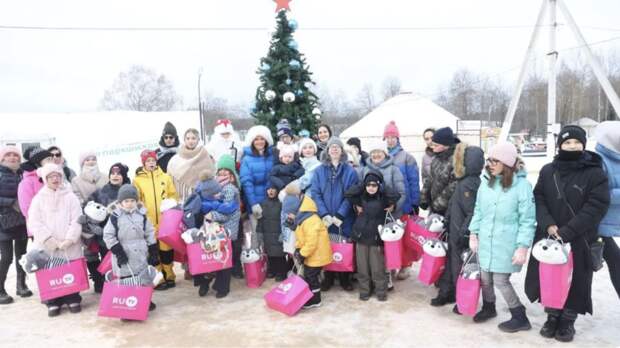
pixel 610 225
pixel 503 221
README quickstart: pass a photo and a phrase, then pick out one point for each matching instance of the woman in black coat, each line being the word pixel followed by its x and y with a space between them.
pixel 571 199
pixel 13 237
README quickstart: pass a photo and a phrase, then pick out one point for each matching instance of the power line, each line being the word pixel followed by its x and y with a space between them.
pixel 147 29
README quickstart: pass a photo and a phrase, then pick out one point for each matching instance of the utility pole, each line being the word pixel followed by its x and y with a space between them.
pixel 553 128
pixel 202 128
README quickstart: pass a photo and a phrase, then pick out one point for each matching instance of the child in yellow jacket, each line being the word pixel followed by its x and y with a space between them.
pixel 312 248
pixel 153 187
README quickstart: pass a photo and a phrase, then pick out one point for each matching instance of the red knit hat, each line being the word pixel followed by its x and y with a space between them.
pixel 391 130
pixel 146 154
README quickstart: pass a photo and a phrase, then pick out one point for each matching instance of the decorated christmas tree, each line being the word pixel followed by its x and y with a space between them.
pixel 285 79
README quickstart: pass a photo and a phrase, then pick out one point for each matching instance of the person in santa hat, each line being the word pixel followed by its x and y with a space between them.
pixel 224 141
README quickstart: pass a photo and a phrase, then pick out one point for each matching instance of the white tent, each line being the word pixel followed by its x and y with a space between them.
pixel 412 114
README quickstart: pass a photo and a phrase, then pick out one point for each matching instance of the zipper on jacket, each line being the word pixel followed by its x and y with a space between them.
pixel 155 198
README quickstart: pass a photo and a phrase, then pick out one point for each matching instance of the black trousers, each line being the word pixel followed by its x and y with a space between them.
pixel 236 246
pixel 611 255
pixel 7 249
pixel 278 265
pixel 343 277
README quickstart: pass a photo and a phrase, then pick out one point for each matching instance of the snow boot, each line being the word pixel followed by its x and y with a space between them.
pixel 550 327
pixel 442 300
pixel 4 297
pixel 518 322
pixel 566 331
pixel 487 312
pixel 314 301
pixel 22 288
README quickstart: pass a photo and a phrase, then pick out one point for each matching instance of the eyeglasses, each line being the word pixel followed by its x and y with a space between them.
pixel 372 184
pixel 58 155
pixel 168 137
pixel 492 161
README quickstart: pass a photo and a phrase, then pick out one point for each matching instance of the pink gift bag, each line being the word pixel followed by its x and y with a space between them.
pixel 416 235
pixel 170 229
pixel 124 301
pixel 289 296
pixel 343 258
pixel 255 272
pixel 200 262
pixel 62 280
pixel 106 263
pixel 393 254
pixel 467 295
pixel 431 268
pixel 555 282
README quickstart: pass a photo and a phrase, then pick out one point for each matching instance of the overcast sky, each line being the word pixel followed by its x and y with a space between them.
pixel 67 71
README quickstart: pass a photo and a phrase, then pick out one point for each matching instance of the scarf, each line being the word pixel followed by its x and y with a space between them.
pixel 163 151
pixel 185 168
pixel 91 174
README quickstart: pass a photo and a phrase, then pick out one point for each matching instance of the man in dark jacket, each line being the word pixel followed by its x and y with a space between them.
pixel 468 162
pixel 572 197
pixel 168 146
pixel 439 185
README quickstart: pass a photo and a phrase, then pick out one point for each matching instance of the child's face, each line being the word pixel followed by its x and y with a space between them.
pixel 286 159
pixel 128 204
pixel 224 173
pixel 308 151
pixel 286 139
pixel 372 188
pixel 272 193
pixel 150 164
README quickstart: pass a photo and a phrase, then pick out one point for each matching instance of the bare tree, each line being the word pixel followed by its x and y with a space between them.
pixel 140 89
pixel 366 99
pixel 391 87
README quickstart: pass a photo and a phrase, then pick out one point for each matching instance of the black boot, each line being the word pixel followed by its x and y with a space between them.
pixel 550 327
pixel 442 300
pixel 204 285
pixel 345 282
pixel 152 307
pixel 315 301
pixel 4 297
pixel 487 312
pixel 518 322
pixel 565 331
pixel 22 288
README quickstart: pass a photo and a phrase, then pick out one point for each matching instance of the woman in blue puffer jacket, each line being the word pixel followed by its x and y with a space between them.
pixel 255 168
pixel 331 180
pixel 608 147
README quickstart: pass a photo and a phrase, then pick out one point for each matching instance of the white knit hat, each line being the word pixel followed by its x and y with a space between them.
pixel 258 131
pixel 377 146
pixel 307 141
pixel 608 134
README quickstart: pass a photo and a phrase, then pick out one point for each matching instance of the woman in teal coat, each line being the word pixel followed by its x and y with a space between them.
pixel 502 230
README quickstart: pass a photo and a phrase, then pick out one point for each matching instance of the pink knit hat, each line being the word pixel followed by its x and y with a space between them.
pixel 504 152
pixel 86 154
pixel 5 150
pixel 391 130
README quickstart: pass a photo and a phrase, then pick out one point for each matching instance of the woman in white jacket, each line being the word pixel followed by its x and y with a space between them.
pixel 52 218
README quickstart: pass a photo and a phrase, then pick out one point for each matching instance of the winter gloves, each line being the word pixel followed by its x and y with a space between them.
pixel 337 220
pixel 153 258
pixel 257 211
pixel 327 220
pixel 121 257
pixel 299 257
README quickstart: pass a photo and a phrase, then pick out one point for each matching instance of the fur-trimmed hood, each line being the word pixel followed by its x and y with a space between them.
pixel 467 160
pixel 115 208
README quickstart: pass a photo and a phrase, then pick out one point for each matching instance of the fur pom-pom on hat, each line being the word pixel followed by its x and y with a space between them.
pixel 48 169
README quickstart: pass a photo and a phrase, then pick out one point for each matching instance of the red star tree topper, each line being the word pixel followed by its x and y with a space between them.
pixel 282 5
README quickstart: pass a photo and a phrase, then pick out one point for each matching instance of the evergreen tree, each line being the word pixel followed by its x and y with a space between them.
pixel 284 75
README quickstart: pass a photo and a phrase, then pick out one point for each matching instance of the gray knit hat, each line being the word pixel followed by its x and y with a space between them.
pixel 335 141
pixel 127 191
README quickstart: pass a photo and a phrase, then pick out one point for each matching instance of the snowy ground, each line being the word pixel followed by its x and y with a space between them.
pixel 182 319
